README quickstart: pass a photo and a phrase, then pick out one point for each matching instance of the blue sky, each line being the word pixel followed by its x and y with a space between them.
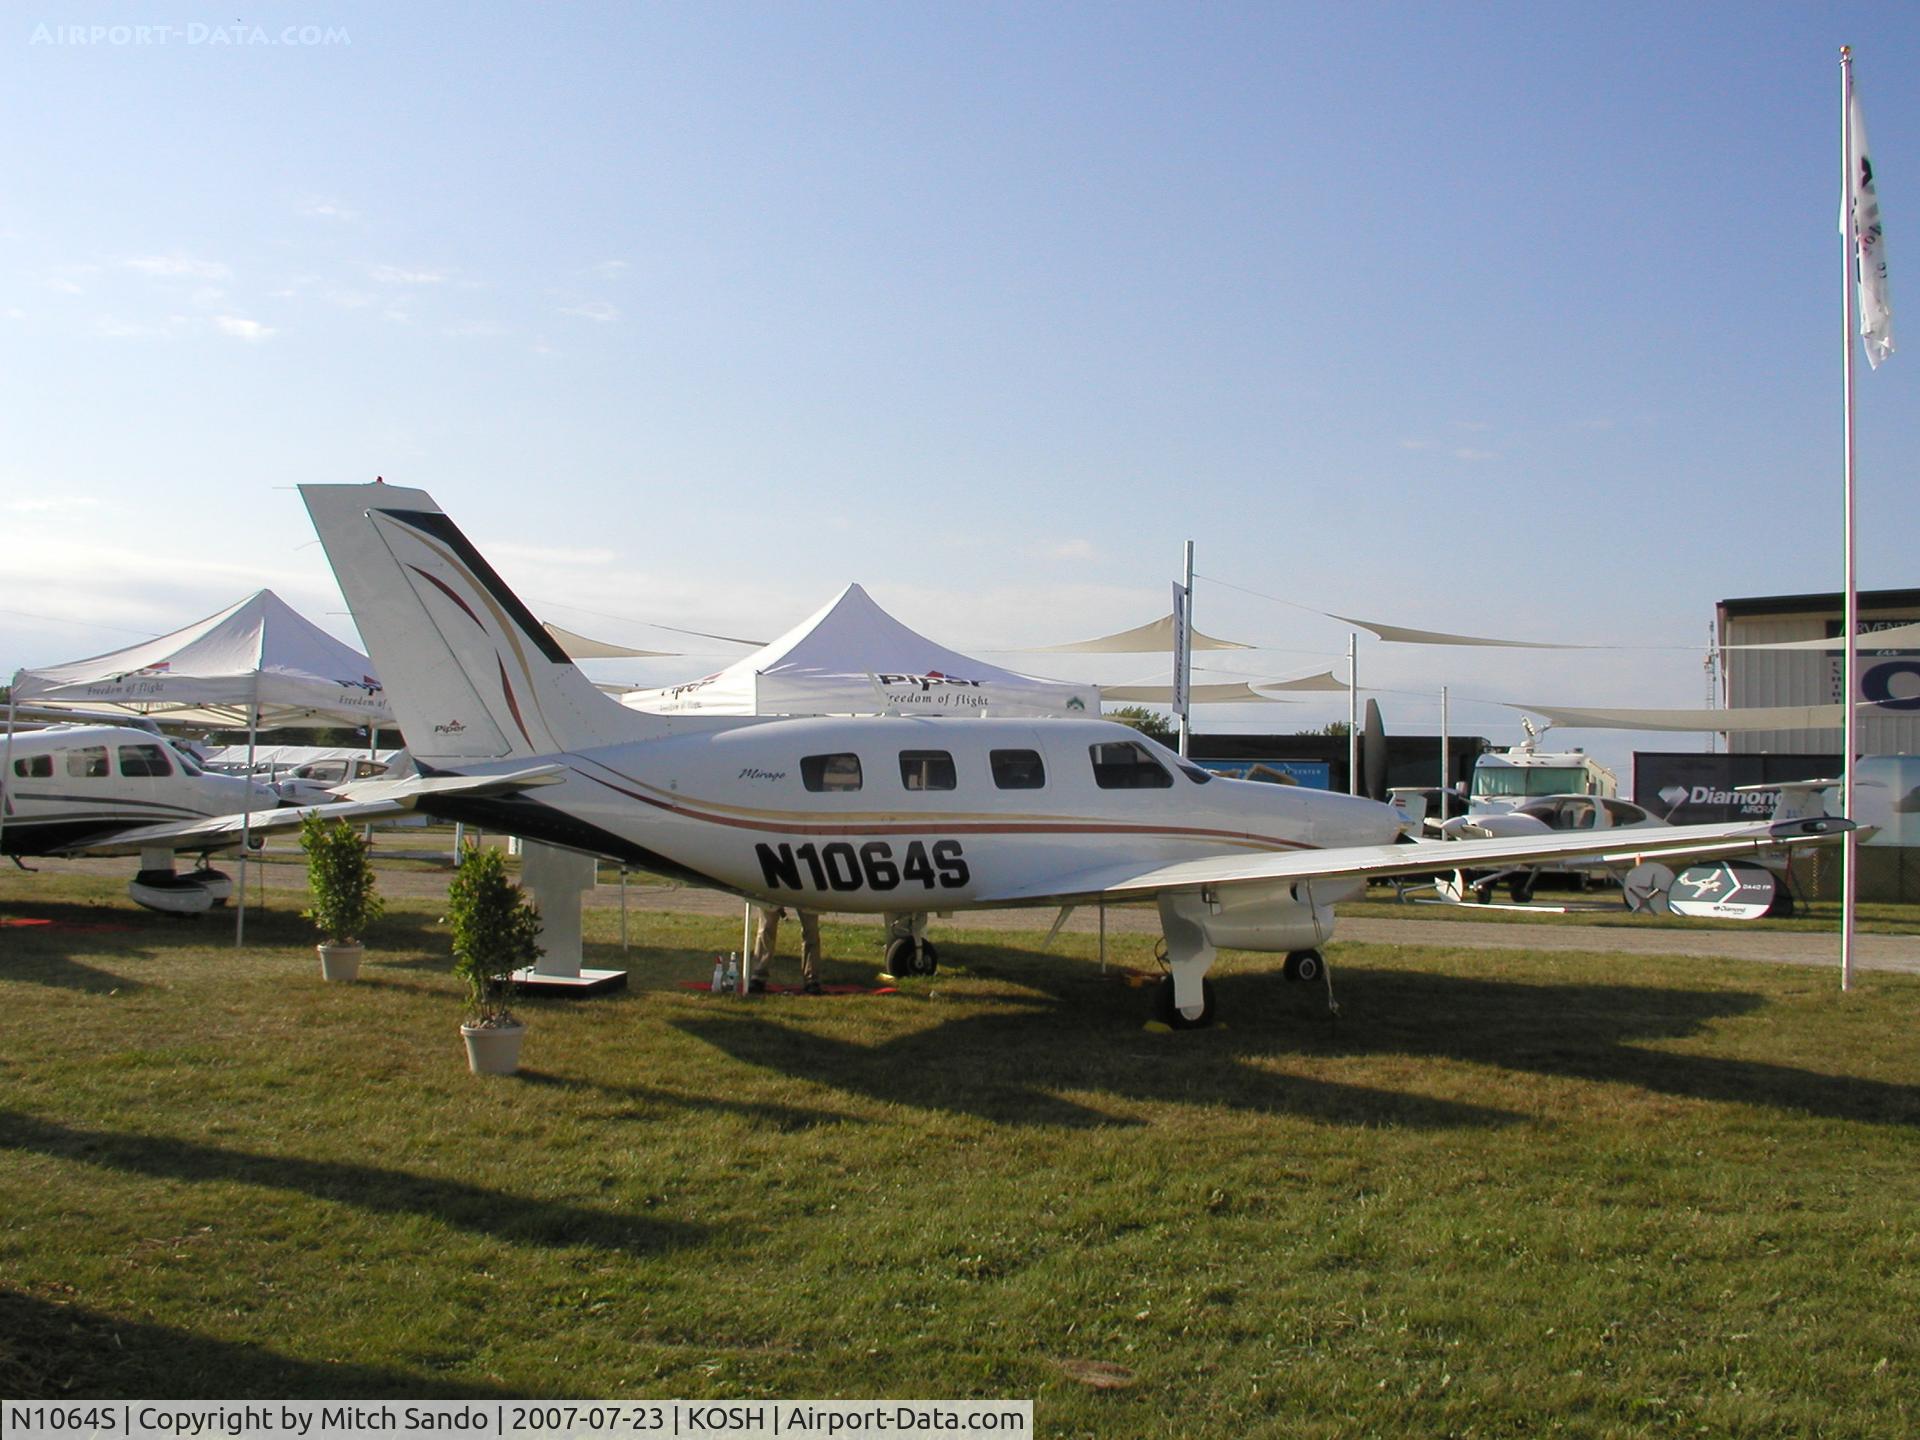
pixel 1519 320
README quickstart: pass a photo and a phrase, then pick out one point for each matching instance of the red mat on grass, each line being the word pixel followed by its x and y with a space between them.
pixel 707 985
pixel 90 929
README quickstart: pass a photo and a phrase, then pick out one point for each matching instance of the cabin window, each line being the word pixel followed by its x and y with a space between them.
pixel 87 762
pixel 188 765
pixel 926 770
pixel 144 760
pixel 33 767
pixel 1127 765
pixel 1018 770
pixel 830 772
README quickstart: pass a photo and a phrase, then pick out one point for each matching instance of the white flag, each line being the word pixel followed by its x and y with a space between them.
pixel 1870 251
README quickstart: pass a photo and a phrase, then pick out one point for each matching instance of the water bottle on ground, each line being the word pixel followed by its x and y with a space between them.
pixel 733 972
pixel 719 975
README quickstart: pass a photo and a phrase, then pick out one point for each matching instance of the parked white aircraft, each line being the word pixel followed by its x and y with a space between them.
pixel 68 788
pixel 896 816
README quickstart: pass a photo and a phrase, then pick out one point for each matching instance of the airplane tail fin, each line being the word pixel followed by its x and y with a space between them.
pixel 1410 804
pixel 471 675
pixel 1799 799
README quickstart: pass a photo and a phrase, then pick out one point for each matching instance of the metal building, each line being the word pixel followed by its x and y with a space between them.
pixel 1889 679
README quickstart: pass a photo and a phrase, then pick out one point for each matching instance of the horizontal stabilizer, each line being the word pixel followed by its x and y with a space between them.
pixel 369 800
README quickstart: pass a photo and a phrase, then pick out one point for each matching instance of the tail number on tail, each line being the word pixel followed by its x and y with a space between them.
pixel 872 866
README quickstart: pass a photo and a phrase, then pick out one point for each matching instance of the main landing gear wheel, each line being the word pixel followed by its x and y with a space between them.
pixel 1305 966
pixel 903 959
pixel 1168 1014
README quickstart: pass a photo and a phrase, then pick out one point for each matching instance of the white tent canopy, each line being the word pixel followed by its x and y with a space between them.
pixel 257 652
pixel 852 658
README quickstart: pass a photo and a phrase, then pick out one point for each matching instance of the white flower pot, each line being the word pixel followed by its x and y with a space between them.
pixel 340 962
pixel 493 1049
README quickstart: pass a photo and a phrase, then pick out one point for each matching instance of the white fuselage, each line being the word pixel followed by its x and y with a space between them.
pixel 69 786
pixel 945 811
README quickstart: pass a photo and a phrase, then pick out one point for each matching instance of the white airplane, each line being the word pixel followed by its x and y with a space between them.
pixel 896 816
pixel 72 788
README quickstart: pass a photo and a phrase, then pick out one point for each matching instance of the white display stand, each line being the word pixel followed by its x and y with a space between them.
pixel 557 879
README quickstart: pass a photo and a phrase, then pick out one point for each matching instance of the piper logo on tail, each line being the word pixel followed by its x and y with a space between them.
pixel 452 727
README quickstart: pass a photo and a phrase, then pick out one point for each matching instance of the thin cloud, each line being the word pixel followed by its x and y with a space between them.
pixel 113 327
pixel 598 311
pixel 176 267
pixel 321 209
pixel 400 275
pixel 49 504
pixel 252 331
pixel 1474 456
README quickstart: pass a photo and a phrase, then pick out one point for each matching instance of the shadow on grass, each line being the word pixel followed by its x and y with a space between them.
pixel 1600 1033
pixel 645 1102
pixel 54 1351
pixel 1020 1064
pixel 46 953
pixel 1060 1030
pixel 504 1217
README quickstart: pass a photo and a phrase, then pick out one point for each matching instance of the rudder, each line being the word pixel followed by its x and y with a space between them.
pixel 469 671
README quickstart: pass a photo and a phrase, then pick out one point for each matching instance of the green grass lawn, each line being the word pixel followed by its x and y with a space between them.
pixel 1502 1195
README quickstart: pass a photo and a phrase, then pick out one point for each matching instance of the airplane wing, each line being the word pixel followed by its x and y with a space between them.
pixel 367 800
pixel 1367 862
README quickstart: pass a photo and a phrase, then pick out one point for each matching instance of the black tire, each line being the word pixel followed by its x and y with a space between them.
pixel 1520 888
pixel 1169 1015
pixel 902 959
pixel 1304 966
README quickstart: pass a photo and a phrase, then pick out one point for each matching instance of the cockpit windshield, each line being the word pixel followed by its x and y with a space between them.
pixel 1501 782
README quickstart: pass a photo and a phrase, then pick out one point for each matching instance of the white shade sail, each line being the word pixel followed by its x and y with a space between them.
pixel 1742 718
pixel 1155 638
pixel 583 647
pixel 1238 692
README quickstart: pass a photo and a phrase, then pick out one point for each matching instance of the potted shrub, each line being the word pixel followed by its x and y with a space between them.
pixel 496 931
pixel 340 891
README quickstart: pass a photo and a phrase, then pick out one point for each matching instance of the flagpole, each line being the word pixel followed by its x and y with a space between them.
pixel 1851 622
pixel 1183 681
pixel 1353 714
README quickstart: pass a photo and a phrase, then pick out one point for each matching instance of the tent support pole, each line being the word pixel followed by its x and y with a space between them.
pixel 6 766
pixel 246 820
